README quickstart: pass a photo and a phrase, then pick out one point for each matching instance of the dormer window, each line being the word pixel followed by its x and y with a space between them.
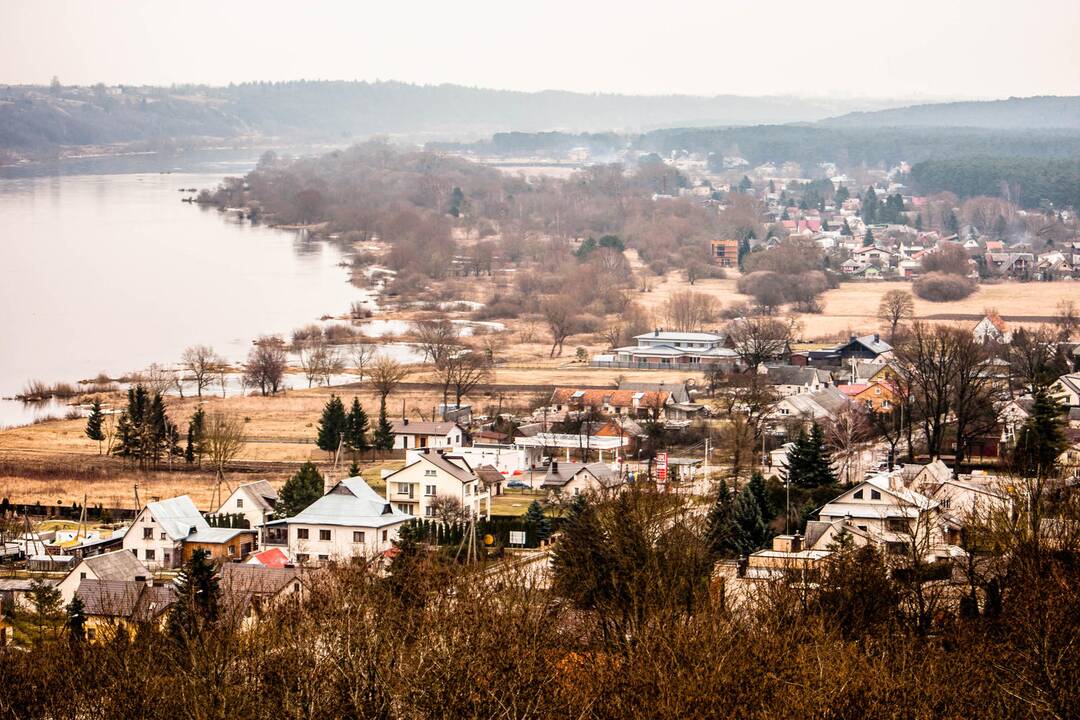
pixel 858 495
pixel 875 495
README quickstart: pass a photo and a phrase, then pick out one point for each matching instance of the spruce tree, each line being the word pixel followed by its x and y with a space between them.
pixel 94 429
pixel 196 428
pixel 1041 439
pixel 332 425
pixel 354 469
pixel 868 238
pixel 356 428
pixel 721 523
pixel 384 431
pixel 76 619
pixel 299 491
pixel 197 598
pixel 749 529
pixel 535 517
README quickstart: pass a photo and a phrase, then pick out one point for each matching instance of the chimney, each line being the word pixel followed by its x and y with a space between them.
pixel 796 543
pixel 853 338
pixel 656 332
pixel 404 421
pixel 877 337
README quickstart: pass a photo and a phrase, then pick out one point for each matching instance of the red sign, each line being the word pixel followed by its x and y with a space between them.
pixel 661 466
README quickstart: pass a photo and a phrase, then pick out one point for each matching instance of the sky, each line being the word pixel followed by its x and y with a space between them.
pixel 932 49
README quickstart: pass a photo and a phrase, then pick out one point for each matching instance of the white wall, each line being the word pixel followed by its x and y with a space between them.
pixel 158 543
pixel 340 546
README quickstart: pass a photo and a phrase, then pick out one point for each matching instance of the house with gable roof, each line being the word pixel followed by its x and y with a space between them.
pixel 350 521
pixel 112 606
pixel 166 532
pixel 667 349
pixel 115 565
pixel 992 329
pixel 254 500
pixel 431 474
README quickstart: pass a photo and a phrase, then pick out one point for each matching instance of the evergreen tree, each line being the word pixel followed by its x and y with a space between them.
pixel 94 429
pixel 952 224
pixel 197 598
pixel 842 195
pixel 868 238
pixel 196 428
pixel 48 615
pixel 809 462
pixel 918 222
pixel 354 469
pixel 76 619
pixel 869 206
pixel 761 496
pixel 749 529
pixel 535 517
pixel 846 230
pixel 745 184
pixel 1041 439
pixel 384 431
pixel 332 425
pixel 405 576
pixel 299 491
pixel 721 521
pixel 356 427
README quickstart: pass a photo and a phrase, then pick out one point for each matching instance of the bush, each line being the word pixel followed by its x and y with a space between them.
pixel 943 287
pixel 768 288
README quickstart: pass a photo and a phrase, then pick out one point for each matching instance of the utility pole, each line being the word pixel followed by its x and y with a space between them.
pixel 706 468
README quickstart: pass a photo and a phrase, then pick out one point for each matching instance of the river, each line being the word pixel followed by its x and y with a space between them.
pixel 110 273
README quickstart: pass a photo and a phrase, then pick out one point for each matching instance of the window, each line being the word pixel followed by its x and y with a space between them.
pixel 91 633
pixel 324 534
pixel 301 533
pixel 403 488
pixel 324 558
pixel 296 587
pixel 301 557
pixel 429 490
pixel 430 473
pixel 404 508
pixel 149 555
pixel 875 495
pixel 429 511
pixel 384 535
pixel 239 502
pixel 230 550
pixel 148 533
pixel 168 557
pixel 358 536
pixel 897 524
pixel 82 576
pixel 858 495
pixel 468 490
pixel 162 536
pixel 884 404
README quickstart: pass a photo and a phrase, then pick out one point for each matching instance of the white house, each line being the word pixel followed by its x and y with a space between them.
pixel 431 475
pixel 423 434
pixel 992 329
pixel 158 533
pixel 349 521
pixel 1067 389
pixel 576 478
pixel 255 501
pixel 115 565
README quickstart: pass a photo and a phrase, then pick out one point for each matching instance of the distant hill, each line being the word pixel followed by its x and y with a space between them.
pixel 1032 113
pixel 35 118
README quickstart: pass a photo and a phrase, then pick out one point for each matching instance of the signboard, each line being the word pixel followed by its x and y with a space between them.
pixel 517 537
pixel 661 467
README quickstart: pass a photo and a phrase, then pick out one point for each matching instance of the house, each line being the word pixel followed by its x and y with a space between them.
pixel 676 391
pixel 793 380
pixel 880 397
pixel 725 253
pixel 664 349
pixel 422 434
pixel 808 408
pixel 865 347
pixel 578 478
pixel 113 605
pixel 115 565
pixel 222 544
pixel 628 403
pixel 992 329
pixel 1010 264
pixel 249 591
pixel 255 501
pixel 434 475
pixel 350 521
pixel 161 529
pixel 897 518
pixel 15 594
pixel 872 255
pixel 1067 389
pixel 1053 266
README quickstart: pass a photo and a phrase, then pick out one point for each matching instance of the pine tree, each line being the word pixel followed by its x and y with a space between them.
pixel 356 428
pixel 868 238
pixel 809 462
pixel 48 614
pixel 846 230
pixel 76 619
pixel 299 491
pixel 761 496
pixel 354 469
pixel 869 206
pixel 196 428
pixel 197 598
pixel 721 523
pixel 535 517
pixel 749 529
pixel 94 429
pixel 332 425
pixel 384 431
pixel 405 574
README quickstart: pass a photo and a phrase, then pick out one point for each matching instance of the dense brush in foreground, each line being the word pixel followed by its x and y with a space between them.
pixel 632 628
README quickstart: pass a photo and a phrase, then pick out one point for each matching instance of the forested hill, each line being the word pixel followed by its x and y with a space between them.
pixel 1031 113
pixel 42 117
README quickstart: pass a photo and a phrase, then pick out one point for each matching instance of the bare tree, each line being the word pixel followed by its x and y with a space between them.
pixel 265 366
pixel 155 378
pixel 223 441
pixel 563 319
pixel 361 353
pixel 745 402
pixel 847 432
pixel 333 363
pixel 470 370
pixel 438 339
pixel 1067 320
pixel 688 310
pixel 201 362
pixel 896 306
pixel 758 339
pixel 386 374
pixel 319 360
pixel 449 509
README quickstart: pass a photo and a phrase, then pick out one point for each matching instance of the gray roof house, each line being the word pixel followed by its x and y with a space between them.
pixel 115 565
pixel 576 478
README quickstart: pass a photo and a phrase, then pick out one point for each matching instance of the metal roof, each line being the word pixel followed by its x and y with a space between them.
pixel 351 503
pixel 178 516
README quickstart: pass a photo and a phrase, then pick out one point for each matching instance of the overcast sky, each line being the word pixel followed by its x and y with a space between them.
pixel 912 48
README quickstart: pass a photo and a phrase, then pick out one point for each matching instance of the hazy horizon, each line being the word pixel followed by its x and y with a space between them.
pixel 924 51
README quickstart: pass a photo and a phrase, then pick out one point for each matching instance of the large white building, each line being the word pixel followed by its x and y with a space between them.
pixel 666 348
pixel 434 474
pixel 424 434
pixel 349 521
pixel 158 533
